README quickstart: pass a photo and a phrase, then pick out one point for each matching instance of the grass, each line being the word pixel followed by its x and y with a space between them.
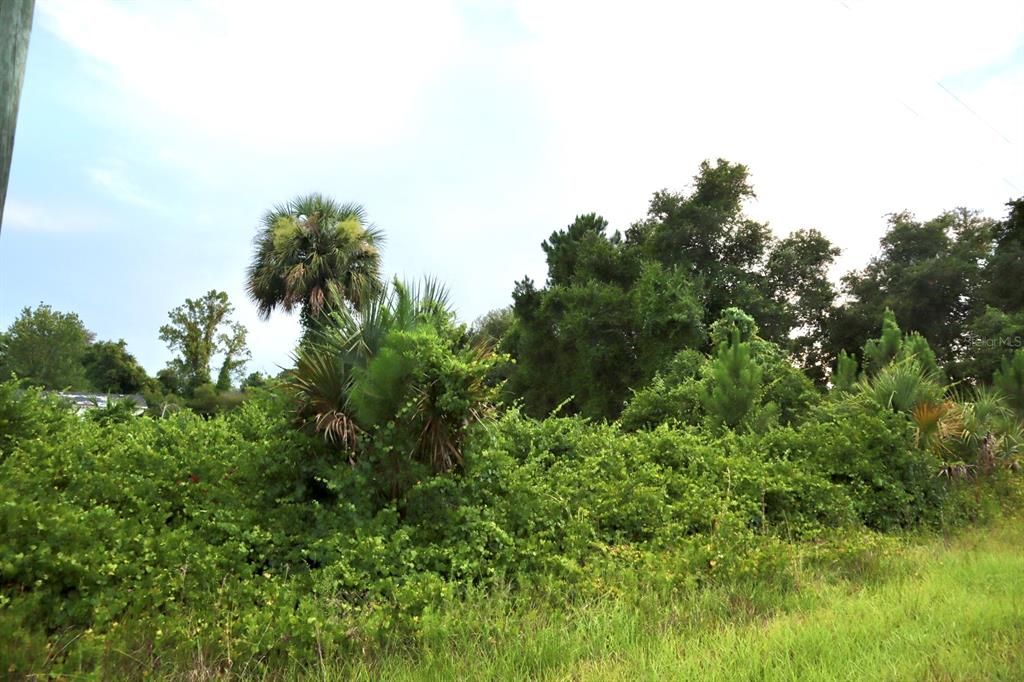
pixel 946 609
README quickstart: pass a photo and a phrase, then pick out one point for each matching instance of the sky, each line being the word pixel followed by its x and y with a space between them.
pixel 152 136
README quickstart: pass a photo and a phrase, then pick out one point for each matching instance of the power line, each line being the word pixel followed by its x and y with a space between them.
pixel 959 100
pixel 976 114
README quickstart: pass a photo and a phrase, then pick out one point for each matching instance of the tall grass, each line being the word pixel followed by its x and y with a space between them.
pixel 943 610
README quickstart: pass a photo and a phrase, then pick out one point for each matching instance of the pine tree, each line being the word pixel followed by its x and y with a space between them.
pixel 1009 379
pixel 734 383
pixel 879 352
pixel 915 348
pixel 894 347
pixel 845 375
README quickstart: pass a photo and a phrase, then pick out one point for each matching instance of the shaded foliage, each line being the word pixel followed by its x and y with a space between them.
pixel 930 274
pixel 110 368
pixel 1009 379
pixel 749 383
pixel 616 308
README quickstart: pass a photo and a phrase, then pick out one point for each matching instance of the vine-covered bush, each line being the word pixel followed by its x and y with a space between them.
pixel 872 453
pixel 240 538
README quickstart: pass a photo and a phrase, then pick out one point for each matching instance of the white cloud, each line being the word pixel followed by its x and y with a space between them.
pixel 112 178
pixel 834 106
pixel 836 111
pixel 29 216
pixel 295 73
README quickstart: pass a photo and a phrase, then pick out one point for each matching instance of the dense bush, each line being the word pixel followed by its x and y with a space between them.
pixel 872 453
pixel 748 385
pixel 238 540
pixel 395 385
pixel 26 414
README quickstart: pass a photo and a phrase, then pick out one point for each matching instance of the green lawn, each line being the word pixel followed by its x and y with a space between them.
pixel 942 610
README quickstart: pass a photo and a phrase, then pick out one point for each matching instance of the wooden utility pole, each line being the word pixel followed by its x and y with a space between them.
pixel 15 25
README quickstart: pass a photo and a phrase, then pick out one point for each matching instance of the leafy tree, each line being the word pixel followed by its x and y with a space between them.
pixel 254 380
pixel 110 368
pixel 706 234
pixel 575 345
pixel 930 274
pixel 232 344
pixel 585 251
pixel 1002 287
pixel 204 400
pixel 706 226
pixel 991 336
pixel 492 327
pixel 734 323
pixel 46 347
pixel 170 380
pixel 996 326
pixel 496 331
pixel 667 316
pixel 198 330
pixel 606 321
pixel 614 310
pixel 314 254
pixel 574 340
pixel 797 272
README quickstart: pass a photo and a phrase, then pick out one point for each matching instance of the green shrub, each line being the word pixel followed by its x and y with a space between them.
pixel 394 384
pixel 26 414
pixel 872 453
pixel 673 395
pixel 240 543
pixel 749 384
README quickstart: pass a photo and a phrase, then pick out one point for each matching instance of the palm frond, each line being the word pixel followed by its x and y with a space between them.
pixel 901 386
pixel 311 250
pixel 366 364
pixel 320 384
pixel 431 297
pixel 936 425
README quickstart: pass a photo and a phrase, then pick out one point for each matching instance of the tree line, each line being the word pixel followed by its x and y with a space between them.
pixel 616 309
pixel 52 349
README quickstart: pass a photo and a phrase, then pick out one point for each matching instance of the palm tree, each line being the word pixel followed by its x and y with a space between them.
pixel 316 255
pixel 396 361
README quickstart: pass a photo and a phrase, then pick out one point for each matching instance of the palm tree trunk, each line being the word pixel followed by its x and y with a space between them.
pixel 15 26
